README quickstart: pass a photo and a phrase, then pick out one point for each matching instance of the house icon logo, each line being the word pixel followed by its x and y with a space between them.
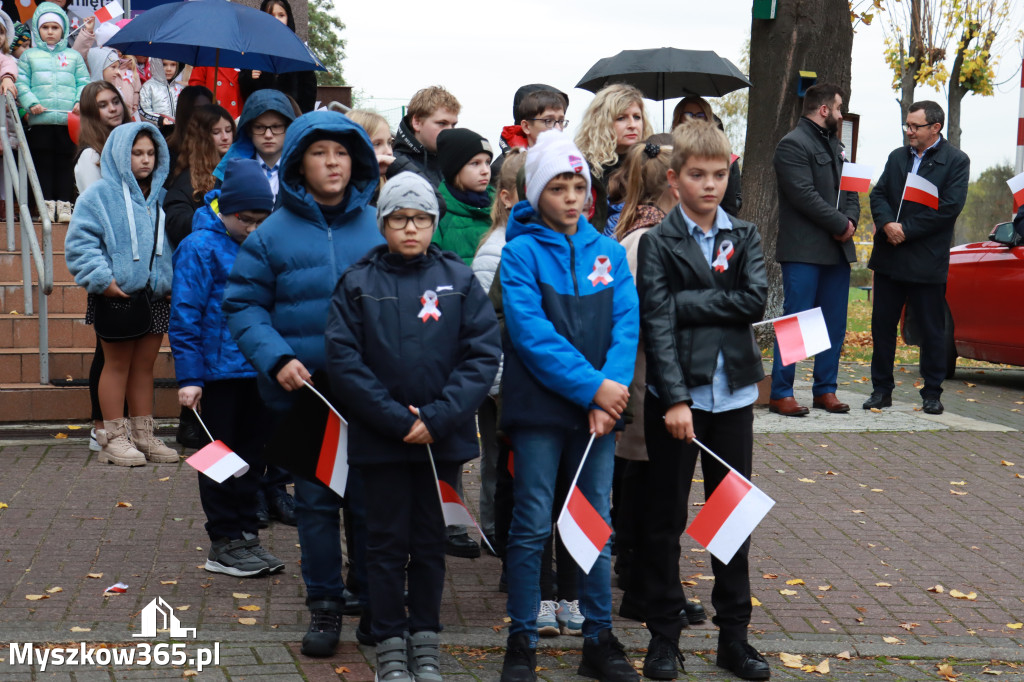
pixel 159 615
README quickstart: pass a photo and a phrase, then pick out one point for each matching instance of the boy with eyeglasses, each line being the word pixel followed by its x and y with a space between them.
pixel 261 128
pixel 536 108
pixel 213 375
pixel 412 349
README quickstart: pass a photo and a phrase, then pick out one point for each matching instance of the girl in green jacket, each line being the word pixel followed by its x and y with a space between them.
pixel 465 160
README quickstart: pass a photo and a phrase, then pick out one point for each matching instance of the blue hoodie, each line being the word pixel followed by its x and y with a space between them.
pixel 200 340
pixel 571 321
pixel 114 228
pixel 279 290
pixel 258 104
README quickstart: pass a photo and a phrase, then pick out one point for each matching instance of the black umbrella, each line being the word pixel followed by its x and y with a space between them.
pixel 667 72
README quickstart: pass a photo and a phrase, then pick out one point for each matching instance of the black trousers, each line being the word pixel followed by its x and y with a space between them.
pixel 234 414
pixel 669 474
pixel 928 304
pixel 53 153
pixel 406 537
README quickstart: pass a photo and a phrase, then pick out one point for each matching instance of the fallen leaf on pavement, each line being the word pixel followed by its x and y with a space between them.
pixel 791 660
pixel 958 482
pixel 989 671
pixel 883 585
pixel 857 511
pixel 165 478
pixel 189 673
pixel 3 505
pixel 844 656
pixel 958 493
pixel 787 593
pixel 249 607
pixel 185 607
pixel 61 436
pixel 971 400
pixel 770 576
pixel 1006 464
pixel 909 627
pixel 1015 476
pixel 78 629
pixel 168 582
pixel 806 480
pixel 124 504
pixel 688 583
pixel 938 589
pixel 946 671
pixel 72 427
pixel 55 590
pixel 36 597
pixel 754 601
pixel 795 581
pixel 957 594
pixel 93 575
pixel 1015 626
pixel 892 640
pixel 822 668
pixel 239 595
pixel 247 621
pixel 341 670
pixel 824 588
pixel 876 409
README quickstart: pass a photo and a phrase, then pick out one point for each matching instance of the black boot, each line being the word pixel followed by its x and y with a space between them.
pixel 324 628
pixel 605 660
pixel 520 660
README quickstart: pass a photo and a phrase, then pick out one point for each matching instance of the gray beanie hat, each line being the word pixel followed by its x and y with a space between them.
pixel 406 190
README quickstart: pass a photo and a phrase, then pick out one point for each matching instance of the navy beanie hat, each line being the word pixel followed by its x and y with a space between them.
pixel 245 188
pixel 455 147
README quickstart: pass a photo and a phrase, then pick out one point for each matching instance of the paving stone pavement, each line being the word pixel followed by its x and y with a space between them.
pixel 877 516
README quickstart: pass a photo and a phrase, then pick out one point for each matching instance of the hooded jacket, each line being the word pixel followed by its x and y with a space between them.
pixel 114 228
pixel 260 103
pixel 571 321
pixel 383 355
pixel 158 98
pixel 200 340
pixel 98 59
pixel 411 155
pixel 51 76
pixel 278 292
pixel 462 226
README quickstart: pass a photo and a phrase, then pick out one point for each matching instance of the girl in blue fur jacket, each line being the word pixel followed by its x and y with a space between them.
pixel 116 247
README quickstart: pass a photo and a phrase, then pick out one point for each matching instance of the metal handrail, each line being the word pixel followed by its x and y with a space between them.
pixel 25 170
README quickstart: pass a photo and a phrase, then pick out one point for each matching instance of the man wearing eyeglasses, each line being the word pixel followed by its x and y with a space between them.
pixel 261 128
pixel 911 252
pixel 815 247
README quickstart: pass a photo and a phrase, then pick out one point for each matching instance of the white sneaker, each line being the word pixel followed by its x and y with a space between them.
pixel 94 445
pixel 64 211
pixel 547 623
pixel 570 620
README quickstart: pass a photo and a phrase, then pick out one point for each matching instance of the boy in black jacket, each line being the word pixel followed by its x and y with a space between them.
pixel 702 282
pixel 412 349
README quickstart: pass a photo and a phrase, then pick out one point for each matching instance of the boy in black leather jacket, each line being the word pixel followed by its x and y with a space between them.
pixel 702 282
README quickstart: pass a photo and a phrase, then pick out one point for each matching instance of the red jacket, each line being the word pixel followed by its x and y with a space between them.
pixel 226 93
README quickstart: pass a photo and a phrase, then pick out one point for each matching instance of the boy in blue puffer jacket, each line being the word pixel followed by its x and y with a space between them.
pixel 209 365
pixel 276 302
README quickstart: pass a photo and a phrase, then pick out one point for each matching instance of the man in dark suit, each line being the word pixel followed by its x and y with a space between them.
pixel 815 247
pixel 911 252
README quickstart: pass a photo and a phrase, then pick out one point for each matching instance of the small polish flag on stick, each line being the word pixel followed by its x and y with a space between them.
pixel 109 11
pixel 730 515
pixel 216 460
pixel 1016 184
pixel 332 464
pixel 800 335
pixel 920 191
pixel 454 510
pixel 583 530
pixel 856 177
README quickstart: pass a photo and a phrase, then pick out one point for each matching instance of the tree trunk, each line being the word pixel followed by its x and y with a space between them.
pixel 957 90
pixel 808 35
pixel 908 80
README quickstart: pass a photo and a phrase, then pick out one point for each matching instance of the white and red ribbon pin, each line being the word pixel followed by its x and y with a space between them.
pixel 602 273
pixel 430 309
pixel 725 251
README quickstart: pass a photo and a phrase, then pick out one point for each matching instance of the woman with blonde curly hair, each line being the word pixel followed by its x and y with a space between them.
pixel 614 122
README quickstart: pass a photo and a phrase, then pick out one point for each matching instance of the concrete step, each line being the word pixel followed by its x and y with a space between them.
pixel 66 297
pixel 21 365
pixel 26 402
pixel 58 230
pixel 66 330
pixel 10 267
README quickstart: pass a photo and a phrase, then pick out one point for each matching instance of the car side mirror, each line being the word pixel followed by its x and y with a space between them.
pixel 1003 233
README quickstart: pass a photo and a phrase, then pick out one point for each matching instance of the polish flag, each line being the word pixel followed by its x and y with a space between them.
pixel 729 516
pixel 109 11
pixel 1016 184
pixel 583 530
pixel 332 464
pixel 454 509
pixel 856 177
pixel 921 191
pixel 801 335
pixel 218 461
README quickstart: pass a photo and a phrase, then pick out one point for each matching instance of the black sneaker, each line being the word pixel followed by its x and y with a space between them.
pixel 520 660
pixel 282 508
pixel 662 656
pixel 233 557
pixel 274 565
pixel 321 639
pixel 605 660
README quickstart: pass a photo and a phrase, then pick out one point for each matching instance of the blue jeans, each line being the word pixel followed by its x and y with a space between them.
pixel 538 452
pixel 807 286
pixel 319 525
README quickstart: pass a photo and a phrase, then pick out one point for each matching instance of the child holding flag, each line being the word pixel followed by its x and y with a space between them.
pixel 410 367
pixel 572 323
pixel 210 367
pixel 702 282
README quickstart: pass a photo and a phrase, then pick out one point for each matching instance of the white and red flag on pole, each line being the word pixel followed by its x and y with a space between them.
pixel 583 530
pixel 454 510
pixel 216 460
pixel 1016 184
pixel 856 177
pixel 730 515
pixel 921 191
pixel 800 335
pixel 112 10
pixel 332 464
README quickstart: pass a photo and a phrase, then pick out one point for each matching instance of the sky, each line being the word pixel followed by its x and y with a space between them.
pixel 482 52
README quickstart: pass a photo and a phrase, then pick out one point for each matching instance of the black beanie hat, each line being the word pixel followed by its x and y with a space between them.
pixel 455 147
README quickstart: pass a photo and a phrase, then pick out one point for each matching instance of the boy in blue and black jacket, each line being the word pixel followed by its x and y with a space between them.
pixel 572 321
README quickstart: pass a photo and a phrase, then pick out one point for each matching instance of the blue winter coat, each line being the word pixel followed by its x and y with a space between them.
pixel 567 328
pixel 200 340
pixel 114 228
pixel 258 104
pixel 382 356
pixel 280 287
pixel 51 76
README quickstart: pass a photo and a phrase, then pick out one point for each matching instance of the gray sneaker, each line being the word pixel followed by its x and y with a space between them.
pixel 232 557
pixel 424 656
pixel 274 565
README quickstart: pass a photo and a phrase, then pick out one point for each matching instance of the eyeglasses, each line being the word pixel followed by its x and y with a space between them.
pixel 699 114
pixel 248 222
pixel 422 221
pixel 550 123
pixel 907 127
pixel 276 129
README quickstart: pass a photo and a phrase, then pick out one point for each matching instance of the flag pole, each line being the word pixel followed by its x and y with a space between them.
pixel 706 449
pixel 440 498
pixel 201 423
pixel 579 470
pixel 326 402
pixel 905 183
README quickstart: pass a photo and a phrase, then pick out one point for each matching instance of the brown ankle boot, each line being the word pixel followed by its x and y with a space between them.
pixel 116 447
pixel 149 445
